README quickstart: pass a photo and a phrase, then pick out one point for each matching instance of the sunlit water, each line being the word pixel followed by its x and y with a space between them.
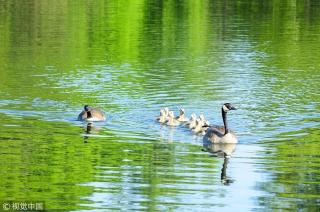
pixel 132 58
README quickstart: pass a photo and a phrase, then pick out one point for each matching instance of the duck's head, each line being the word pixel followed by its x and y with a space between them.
pixel 162 113
pixel 227 106
pixel 87 107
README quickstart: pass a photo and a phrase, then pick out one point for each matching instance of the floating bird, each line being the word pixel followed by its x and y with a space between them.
pixel 182 117
pixel 198 127
pixel 91 114
pixel 162 117
pixel 166 111
pixel 192 122
pixel 221 134
pixel 171 121
pixel 203 119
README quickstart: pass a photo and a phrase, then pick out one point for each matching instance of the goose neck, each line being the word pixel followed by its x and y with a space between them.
pixel 89 115
pixel 225 122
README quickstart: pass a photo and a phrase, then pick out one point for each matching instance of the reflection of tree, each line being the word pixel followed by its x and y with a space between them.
pixel 169 40
pixel 48 161
pixel 293 167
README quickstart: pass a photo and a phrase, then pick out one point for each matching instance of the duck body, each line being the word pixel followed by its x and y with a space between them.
pixel 91 114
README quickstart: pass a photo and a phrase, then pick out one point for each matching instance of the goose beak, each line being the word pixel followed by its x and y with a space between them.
pixel 233 108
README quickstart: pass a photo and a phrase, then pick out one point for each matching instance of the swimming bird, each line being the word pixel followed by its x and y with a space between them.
pixel 182 117
pixel 171 121
pixel 192 122
pixel 166 111
pixel 221 134
pixel 205 124
pixel 162 117
pixel 199 126
pixel 203 119
pixel 91 114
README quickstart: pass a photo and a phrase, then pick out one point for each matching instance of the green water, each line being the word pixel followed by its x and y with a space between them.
pixel 131 58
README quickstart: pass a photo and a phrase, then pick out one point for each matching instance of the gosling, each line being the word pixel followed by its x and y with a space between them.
pixel 182 117
pixel 192 122
pixel 162 117
pixel 171 121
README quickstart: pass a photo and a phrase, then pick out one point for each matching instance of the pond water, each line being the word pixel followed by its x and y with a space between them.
pixel 132 58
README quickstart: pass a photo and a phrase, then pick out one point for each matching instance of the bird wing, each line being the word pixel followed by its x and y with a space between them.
pixel 82 115
pixel 97 113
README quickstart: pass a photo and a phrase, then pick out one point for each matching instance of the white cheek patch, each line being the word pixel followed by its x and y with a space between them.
pixel 225 108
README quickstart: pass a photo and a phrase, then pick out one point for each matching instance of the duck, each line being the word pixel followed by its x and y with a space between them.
pixel 162 117
pixel 192 122
pixel 182 117
pixel 91 114
pixel 221 134
pixel 171 121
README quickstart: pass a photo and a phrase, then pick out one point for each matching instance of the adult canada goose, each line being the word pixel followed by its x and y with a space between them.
pixel 91 114
pixel 182 117
pixel 162 118
pixel 221 134
pixel 171 121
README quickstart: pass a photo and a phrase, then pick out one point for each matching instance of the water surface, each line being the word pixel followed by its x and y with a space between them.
pixel 131 59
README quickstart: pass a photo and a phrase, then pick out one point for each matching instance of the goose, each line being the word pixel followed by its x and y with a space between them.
pixel 205 124
pixel 162 118
pixel 221 134
pixel 182 117
pixel 166 111
pixel 171 121
pixel 199 126
pixel 192 122
pixel 91 114
pixel 203 119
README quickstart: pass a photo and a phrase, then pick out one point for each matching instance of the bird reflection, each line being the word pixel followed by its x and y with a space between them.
pixel 225 180
pixel 89 129
pixel 87 132
pixel 222 151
